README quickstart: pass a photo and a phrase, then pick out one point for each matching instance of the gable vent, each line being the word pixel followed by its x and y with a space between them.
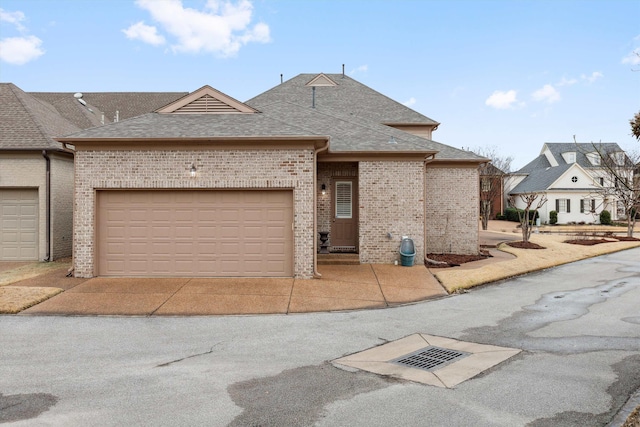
pixel 206 104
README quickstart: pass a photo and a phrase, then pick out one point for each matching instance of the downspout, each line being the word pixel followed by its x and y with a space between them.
pixel 48 203
pixel 324 147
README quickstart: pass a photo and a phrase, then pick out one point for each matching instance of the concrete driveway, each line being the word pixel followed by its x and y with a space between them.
pixel 578 327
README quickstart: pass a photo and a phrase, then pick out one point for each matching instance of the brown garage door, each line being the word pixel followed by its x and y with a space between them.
pixel 18 224
pixel 239 233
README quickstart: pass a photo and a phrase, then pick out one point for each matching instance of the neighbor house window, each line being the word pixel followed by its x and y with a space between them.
pixel 574 179
pixel 569 157
pixel 601 181
pixel 486 185
pixel 563 205
pixel 594 158
pixel 587 205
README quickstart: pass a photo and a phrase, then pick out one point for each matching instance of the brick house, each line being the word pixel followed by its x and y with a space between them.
pixel 210 186
pixel 36 171
pixel 492 189
pixel 36 179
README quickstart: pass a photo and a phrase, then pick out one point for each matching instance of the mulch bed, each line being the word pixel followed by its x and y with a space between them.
pixel 591 242
pixel 453 260
pixel 525 245
pixel 626 239
pixel 587 242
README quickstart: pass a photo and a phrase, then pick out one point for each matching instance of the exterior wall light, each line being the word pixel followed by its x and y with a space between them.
pixel 193 170
pixel 324 189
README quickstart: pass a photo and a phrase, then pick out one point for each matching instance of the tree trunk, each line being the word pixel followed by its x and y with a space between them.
pixel 485 214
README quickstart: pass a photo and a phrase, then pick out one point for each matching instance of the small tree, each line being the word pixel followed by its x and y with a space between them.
pixel 491 181
pixel 619 186
pixel 530 200
pixel 635 126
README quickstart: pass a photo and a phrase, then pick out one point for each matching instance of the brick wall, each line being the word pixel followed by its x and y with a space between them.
pixel 452 200
pixel 219 169
pixel 391 201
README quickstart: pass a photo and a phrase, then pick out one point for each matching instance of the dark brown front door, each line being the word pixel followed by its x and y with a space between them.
pixel 344 225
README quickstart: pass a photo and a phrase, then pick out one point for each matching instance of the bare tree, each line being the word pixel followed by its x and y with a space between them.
pixel 491 181
pixel 530 200
pixel 618 186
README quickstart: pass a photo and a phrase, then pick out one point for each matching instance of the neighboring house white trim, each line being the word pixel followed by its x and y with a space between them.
pixel 571 188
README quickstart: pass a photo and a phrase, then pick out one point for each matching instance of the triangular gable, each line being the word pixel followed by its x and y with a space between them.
pixel 321 80
pixel 585 179
pixel 206 100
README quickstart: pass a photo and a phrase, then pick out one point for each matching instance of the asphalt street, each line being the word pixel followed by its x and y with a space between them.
pixel 578 326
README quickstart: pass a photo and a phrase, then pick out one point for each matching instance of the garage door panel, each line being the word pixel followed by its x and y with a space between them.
pixel 196 233
pixel 18 224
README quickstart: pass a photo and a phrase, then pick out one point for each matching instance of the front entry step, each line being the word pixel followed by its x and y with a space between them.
pixel 338 259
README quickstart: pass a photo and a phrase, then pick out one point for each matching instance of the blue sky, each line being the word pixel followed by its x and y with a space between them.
pixel 504 74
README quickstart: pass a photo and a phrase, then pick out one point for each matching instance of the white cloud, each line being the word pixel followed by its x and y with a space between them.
pixel 360 69
pixel 566 82
pixel 632 58
pixel 412 101
pixel 593 77
pixel 547 94
pixel 146 33
pixel 20 50
pixel 14 18
pixel 502 100
pixel 222 27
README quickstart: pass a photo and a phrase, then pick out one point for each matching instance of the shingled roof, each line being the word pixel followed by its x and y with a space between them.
pixel 348 97
pixel 125 105
pixel 27 123
pixel 580 149
pixel 354 118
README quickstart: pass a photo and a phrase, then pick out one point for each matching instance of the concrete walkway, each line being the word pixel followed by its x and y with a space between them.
pixel 341 288
pixel 356 287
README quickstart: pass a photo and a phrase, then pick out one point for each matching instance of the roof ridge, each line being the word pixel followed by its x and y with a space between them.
pixel 365 123
pixel 33 115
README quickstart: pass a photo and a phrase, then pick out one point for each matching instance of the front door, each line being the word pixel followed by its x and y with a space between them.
pixel 344 224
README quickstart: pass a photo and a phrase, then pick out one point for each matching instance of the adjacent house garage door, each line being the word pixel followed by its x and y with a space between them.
pixel 18 225
pixel 189 233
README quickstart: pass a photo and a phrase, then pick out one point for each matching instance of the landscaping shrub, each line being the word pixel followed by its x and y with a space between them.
pixel 511 214
pixel 605 217
pixel 501 217
pixel 553 217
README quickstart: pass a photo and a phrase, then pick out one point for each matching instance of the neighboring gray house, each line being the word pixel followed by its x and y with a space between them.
pixel 37 173
pixel 36 179
pixel 210 186
pixel 570 175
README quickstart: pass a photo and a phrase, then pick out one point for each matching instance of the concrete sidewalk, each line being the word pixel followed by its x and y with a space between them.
pixel 340 288
pixel 349 287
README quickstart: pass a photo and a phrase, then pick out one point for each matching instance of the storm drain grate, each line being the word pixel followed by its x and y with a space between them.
pixel 430 358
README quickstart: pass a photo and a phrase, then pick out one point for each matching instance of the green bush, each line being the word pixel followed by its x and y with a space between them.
pixel 512 214
pixel 501 217
pixel 553 217
pixel 605 217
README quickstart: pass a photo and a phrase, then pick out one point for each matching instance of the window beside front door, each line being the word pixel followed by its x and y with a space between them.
pixel 344 194
pixel 563 205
